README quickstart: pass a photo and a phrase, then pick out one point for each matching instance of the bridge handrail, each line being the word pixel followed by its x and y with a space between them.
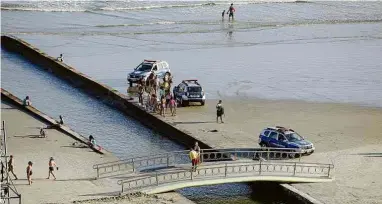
pixel 315 170
pixel 204 153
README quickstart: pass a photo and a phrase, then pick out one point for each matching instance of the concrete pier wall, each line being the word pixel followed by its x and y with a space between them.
pixel 10 98
pixel 98 90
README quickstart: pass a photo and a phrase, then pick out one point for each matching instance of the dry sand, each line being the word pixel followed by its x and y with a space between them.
pixel 341 133
pixel 75 177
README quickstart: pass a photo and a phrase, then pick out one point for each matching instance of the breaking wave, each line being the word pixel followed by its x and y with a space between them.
pixel 82 6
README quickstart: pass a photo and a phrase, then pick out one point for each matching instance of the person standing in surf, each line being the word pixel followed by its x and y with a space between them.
pixel 230 11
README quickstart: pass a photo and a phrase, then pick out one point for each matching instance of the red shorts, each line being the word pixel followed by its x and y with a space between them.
pixel 194 162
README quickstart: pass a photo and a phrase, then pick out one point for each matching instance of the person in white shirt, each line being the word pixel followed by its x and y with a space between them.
pixel 27 102
pixel 60 58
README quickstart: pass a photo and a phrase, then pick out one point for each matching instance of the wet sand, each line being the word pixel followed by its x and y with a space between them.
pixel 75 177
pixel 347 135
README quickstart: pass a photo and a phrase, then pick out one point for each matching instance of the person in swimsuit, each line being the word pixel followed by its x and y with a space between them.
pixel 163 106
pixel 11 166
pixel 219 112
pixel 173 106
pixel 230 11
pixel 52 165
pixel 29 172
pixel 197 149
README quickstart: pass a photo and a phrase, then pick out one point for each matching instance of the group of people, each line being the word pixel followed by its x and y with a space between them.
pixel 159 96
pixel 230 12
pixel 29 170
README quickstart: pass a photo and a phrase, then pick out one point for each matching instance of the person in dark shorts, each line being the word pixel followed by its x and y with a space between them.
pixel 29 172
pixel 219 112
pixel 230 11
pixel 52 165
pixel 11 166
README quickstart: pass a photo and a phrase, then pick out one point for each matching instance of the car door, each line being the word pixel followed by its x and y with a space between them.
pixel 282 141
pixel 273 139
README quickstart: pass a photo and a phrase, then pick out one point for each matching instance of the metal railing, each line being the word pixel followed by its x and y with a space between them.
pixel 230 170
pixel 181 157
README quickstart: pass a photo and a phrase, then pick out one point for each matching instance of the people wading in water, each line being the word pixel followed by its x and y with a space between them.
pixel 230 11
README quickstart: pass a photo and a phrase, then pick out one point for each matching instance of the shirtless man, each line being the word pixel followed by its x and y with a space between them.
pixel 52 165
pixel 230 11
pixel 11 166
pixel 29 172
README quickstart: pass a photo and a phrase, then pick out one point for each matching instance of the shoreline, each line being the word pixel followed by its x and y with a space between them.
pixel 330 126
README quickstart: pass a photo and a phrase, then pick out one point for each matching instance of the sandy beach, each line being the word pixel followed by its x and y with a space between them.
pixel 75 177
pixel 345 134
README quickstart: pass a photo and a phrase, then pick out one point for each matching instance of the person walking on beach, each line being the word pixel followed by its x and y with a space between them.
pixel 219 112
pixel 42 133
pixel 173 106
pixel 52 165
pixel 223 14
pixel 230 11
pixel 26 101
pixel 11 166
pixel 193 156
pixel 29 172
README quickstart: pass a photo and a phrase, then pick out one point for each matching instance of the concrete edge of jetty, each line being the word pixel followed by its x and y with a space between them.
pixel 100 91
pixel 111 97
pixel 9 97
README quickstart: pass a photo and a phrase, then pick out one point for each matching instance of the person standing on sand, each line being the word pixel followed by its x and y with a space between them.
pixel 223 14
pixel 173 106
pixel 11 166
pixel 219 112
pixel 29 172
pixel 193 156
pixel 52 165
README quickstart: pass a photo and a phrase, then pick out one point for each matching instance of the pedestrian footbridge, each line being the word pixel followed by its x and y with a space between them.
pixel 170 171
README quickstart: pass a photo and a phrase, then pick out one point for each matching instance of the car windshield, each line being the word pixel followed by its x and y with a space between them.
pixel 292 137
pixel 195 89
pixel 144 67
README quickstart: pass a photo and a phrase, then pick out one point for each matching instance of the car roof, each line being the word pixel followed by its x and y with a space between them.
pixel 151 61
pixel 191 82
pixel 281 129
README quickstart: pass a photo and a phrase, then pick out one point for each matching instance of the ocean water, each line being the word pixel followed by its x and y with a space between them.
pixel 325 51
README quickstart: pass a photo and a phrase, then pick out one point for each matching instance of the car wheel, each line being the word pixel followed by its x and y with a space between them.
pixel 202 103
pixel 263 145
pixel 184 103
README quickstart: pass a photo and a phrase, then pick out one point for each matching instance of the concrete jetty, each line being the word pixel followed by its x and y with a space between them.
pixel 346 134
pixel 75 176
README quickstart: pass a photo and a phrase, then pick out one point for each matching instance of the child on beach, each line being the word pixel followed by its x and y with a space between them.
pixel 173 106
pixel 163 106
pixel 29 172
pixel 52 165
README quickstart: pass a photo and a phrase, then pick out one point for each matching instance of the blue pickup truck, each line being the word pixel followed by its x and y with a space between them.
pixel 281 137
